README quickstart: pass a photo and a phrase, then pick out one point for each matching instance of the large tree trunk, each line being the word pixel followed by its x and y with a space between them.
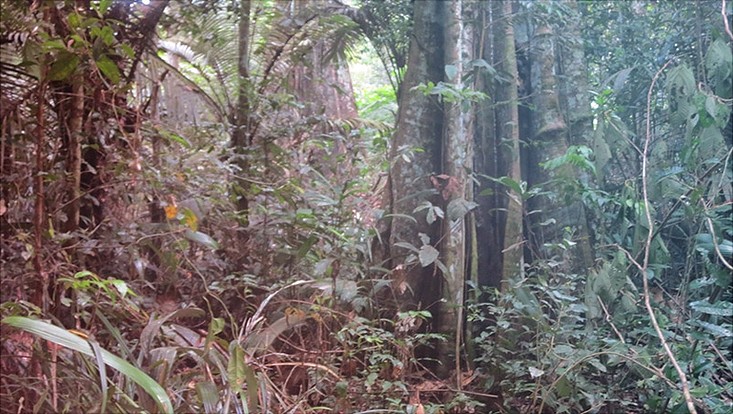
pixel 324 87
pixel 488 238
pixel 558 211
pixel 419 127
pixel 574 90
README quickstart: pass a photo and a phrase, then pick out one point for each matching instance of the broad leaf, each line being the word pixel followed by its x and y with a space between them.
pixel 717 308
pixel 459 207
pixel 535 373
pixel 718 330
pixel 450 72
pixel 201 238
pixel 64 66
pixel 108 68
pixel 428 255
pixel 235 369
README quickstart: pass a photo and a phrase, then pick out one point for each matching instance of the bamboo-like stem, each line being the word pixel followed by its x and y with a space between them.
pixel 40 296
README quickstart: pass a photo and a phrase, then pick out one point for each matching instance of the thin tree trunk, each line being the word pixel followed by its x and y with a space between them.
pixel 457 162
pixel 74 154
pixel 507 115
pixel 241 139
pixel 41 285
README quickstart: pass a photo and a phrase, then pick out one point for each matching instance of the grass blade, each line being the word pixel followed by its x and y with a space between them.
pixel 68 340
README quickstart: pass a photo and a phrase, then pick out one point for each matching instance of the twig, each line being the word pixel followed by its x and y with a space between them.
pixel 608 319
pixel 725 20
pixel 715 243
pixel 647 248
pixel 654 370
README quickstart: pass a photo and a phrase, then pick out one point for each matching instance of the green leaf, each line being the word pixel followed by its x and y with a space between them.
pixel 407 246
pixel 235 369
pixel 53 44
pixel 451 71
pixel 127 50
pixel 306 246
pixel 459 207
pixel 718 308
pixel 718 330
pixel 564 350
pixel 535 373
pixel 719 59
pixel 681 80
pixel 511 184
pixel 170 136
pixel 120 285
pixel 107 35
pixel 597 364
pixel 209 396
pixel 108 68
pixel 201 238
pixel 68 340
pixel 64 66
pixel 103 6
pixel 99 359
pixel 428 255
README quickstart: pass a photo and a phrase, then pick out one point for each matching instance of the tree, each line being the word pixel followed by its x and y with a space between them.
pixel 558 212
pixel 507 131
pixel 417 128
pixel 416 154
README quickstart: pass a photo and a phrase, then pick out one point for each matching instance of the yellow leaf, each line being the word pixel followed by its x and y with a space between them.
pixel 171 211
pixel 190 219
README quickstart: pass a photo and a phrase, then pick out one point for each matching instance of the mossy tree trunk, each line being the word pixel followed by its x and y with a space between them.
pixel 240 118
pixel 560 214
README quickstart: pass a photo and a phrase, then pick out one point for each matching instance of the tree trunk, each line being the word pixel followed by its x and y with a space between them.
pixel 574 91
pixel 419 127
pixel 487 229
pixel 74 154
pixel 457 163
pixel 325 89
pixel 558 211
pixel 241 139
pixel 507 126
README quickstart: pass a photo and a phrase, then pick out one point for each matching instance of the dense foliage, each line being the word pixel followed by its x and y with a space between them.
pixel 197 199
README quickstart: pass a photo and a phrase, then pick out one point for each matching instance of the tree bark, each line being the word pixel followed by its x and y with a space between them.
pixel 39 287
pixel 419 127
pixel 574 91
pixel 558 210
pixel 487 229
pixel 241 139
pixel 74 154
pixel 457 164
pixel 507 126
